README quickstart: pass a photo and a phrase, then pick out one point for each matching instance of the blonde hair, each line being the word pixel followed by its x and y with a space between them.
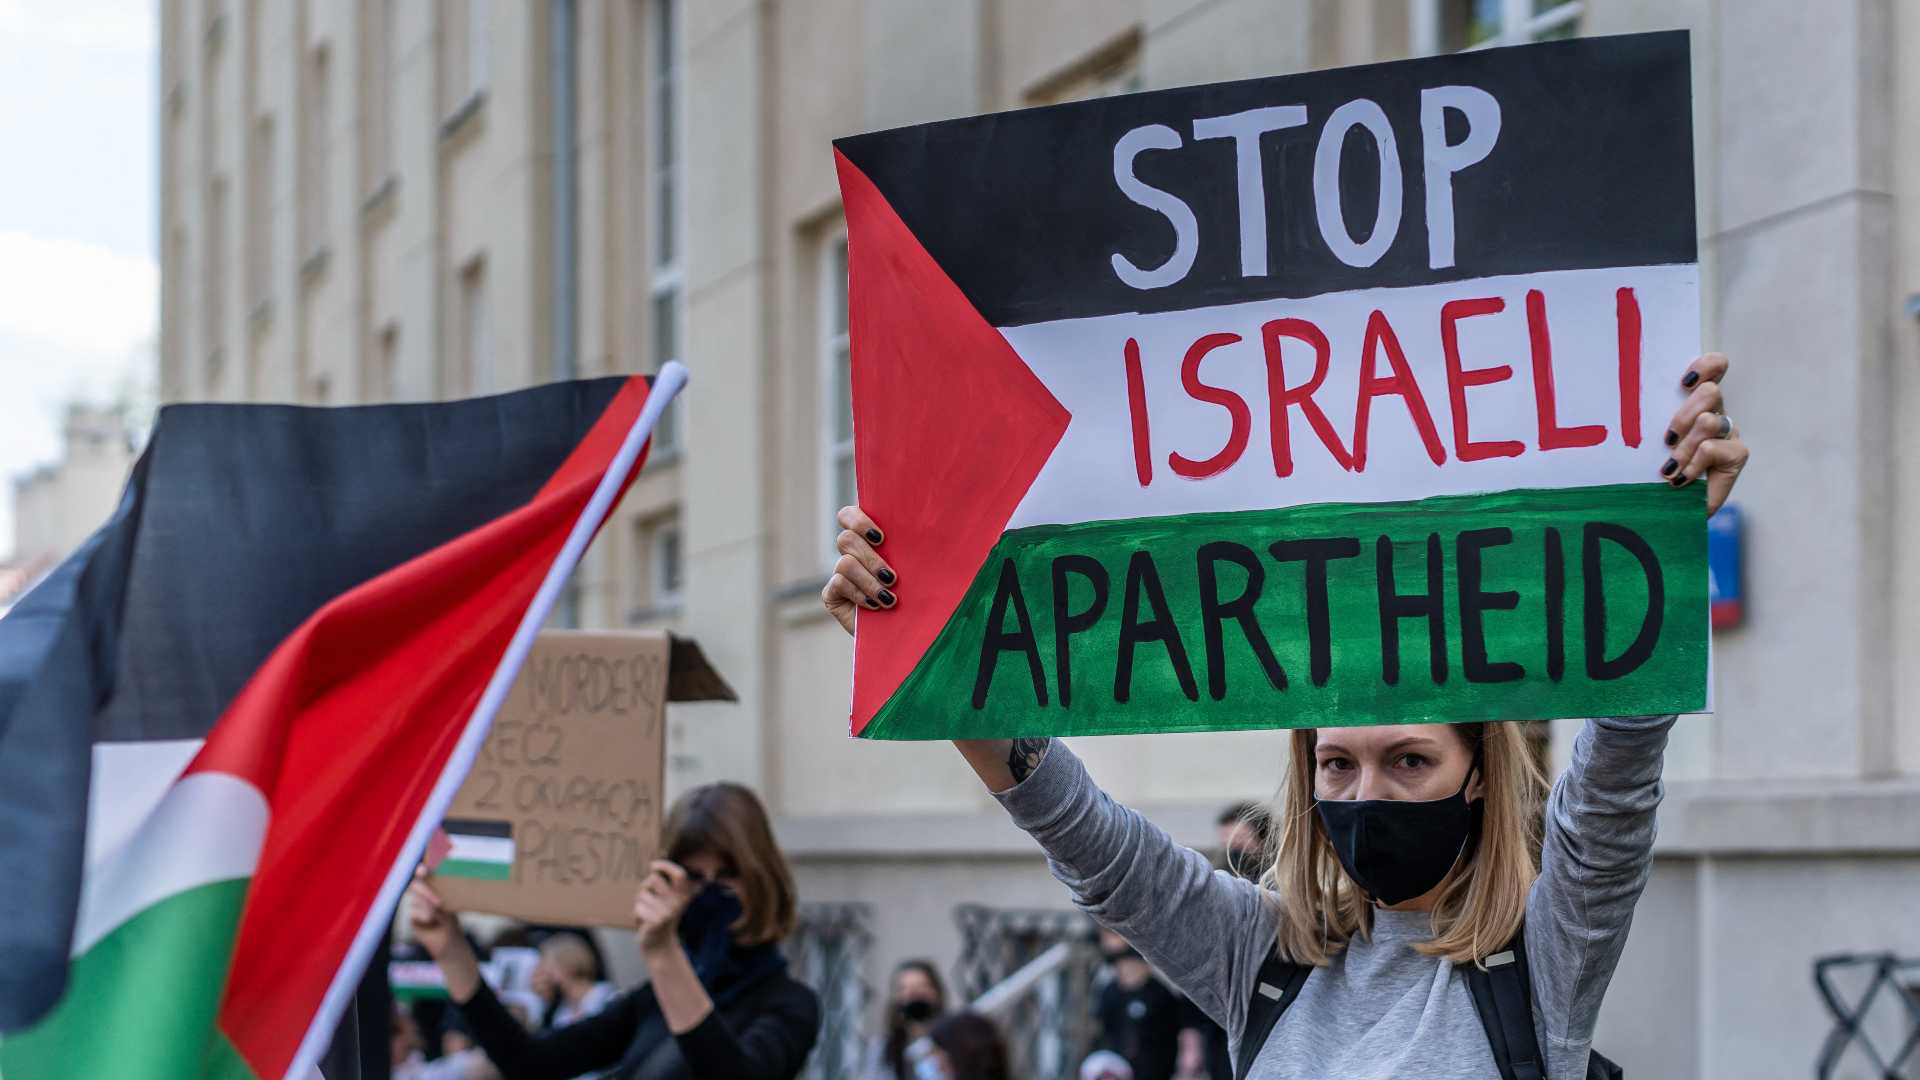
pixel 1482 900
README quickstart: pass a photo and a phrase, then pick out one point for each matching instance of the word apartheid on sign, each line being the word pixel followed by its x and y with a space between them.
pixel 1335 398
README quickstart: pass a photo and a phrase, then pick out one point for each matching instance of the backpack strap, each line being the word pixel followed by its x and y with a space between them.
pixel 1274 989
pixel 1503 995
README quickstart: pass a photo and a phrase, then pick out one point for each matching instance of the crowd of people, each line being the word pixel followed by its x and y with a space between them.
pixel 1144 1029
pixel 1381 926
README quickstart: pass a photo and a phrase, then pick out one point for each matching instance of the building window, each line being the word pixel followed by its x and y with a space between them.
pixel 1112 69
pixel 377 93
pixel 466 44
pixel 261 170
pixel 476 332
pixel 314 159
pixel 1442 26
pixel 666 307
pixel 836 387
pixel 661 578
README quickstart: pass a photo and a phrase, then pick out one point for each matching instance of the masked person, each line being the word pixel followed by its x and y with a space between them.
pixel 1140 1019
pixel 916 1000
pixel 962 1046
pixel 1405 880
pixel 718 1003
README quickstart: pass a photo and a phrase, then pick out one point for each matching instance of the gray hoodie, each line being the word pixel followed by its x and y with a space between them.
pixel 1379 1009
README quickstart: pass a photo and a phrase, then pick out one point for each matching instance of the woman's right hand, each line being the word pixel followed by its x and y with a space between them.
pixel 438 929
pixel 861 578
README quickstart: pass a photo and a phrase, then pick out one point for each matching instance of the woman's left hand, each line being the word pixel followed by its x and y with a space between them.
pixel 657 909
pixel 1702 441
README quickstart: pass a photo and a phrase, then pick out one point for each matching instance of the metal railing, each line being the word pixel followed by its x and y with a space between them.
pixel 1853 1015
pixel 829 950
pixel 1031 972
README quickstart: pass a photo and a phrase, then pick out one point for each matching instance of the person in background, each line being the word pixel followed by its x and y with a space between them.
pixel 916 999
pixel 1140 1017
pixel 1105 1065
pixel 1245 830
pixel 963 1046
pixel 569 976
pixel 407 1055
pixel 719 1003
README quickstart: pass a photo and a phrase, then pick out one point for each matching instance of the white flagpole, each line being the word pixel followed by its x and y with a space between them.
pixel 668 383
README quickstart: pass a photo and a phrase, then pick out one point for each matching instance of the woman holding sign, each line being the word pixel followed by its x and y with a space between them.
pixel 719 1001
pixel 1410 922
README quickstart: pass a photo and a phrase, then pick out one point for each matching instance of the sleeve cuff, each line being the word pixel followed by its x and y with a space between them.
pixel 1040 799
pixel 705 1040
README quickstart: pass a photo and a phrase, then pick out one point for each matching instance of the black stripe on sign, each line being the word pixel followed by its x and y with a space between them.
pixel 502 830
pixel 1592 167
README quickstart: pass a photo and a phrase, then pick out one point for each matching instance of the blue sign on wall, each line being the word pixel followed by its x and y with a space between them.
pixel 1726 587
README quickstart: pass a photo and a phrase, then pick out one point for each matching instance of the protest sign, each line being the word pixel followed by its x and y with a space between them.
pixel 560 819
pixel 1331 398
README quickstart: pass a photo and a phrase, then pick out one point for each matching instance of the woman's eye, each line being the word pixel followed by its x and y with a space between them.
pixel 1413 761
pixel 1336 764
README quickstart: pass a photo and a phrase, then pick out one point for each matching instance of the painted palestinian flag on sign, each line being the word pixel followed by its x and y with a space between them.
pixel 1334 398
pixel 221 720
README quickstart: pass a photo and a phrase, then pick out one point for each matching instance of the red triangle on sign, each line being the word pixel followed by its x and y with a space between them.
pixel 952 427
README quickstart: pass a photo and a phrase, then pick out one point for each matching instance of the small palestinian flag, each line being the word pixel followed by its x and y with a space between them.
pixel 230 721
pixel 1328 398
pixel 482 850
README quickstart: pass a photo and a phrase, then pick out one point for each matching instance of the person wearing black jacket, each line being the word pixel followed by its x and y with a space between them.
pixel 719 1002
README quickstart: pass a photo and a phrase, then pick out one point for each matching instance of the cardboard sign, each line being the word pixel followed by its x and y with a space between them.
pixel 1334 398
pixel 560 819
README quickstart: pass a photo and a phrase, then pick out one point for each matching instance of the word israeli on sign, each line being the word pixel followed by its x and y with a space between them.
pixel 1335 398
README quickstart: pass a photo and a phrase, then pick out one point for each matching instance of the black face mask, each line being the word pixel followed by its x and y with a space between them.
pixel 916 1010
pixel 1396 850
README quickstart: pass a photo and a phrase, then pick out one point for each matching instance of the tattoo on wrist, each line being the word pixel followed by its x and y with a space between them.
pixel 1025 756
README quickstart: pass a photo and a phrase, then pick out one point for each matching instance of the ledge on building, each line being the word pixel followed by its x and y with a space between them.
pixel 1718 819
pixel 314 265
pixel 457 121
pixel 1773 817
pixel 654 613
pixel 379 202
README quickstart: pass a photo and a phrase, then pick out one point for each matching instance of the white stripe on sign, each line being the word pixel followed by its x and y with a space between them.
pixel 208 828
pixel 1094 474
pixel 488 849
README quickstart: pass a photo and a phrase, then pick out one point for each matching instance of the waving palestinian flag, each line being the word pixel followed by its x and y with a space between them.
pixel 224 718
pixel 1323 399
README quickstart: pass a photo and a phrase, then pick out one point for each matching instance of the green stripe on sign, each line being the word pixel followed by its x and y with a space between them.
pixel 1119 627
pixel 142 1002
pixel 475 868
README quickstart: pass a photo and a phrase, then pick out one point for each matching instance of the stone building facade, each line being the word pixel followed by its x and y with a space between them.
pixel 370 200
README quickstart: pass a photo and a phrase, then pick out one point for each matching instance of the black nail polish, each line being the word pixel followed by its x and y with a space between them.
pixel 885 575
pixel 872 603
pixel 1679 480
pixel 886 597
pixel 1667 469
pixel 873 536
pixel 1692 377
pixel 1673 438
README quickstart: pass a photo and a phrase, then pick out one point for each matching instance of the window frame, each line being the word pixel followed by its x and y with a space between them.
pixel 1519 24
pixel 829 344
pixel 666 265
